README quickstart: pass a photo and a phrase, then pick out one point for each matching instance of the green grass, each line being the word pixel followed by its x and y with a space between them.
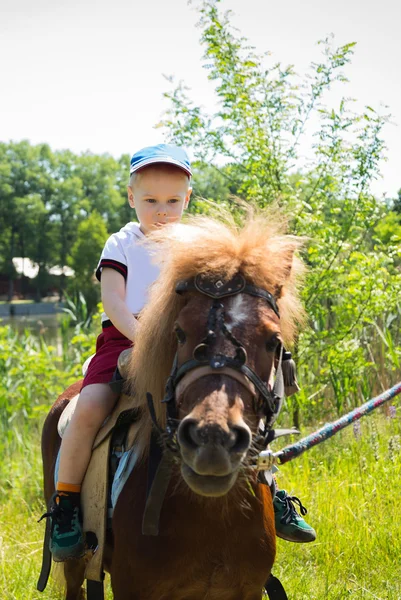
pixel 17 302
pixel 351 488
pixel 21 537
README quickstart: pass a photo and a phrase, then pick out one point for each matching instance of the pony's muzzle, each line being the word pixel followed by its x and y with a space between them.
pixel 211 455
pixel 191 436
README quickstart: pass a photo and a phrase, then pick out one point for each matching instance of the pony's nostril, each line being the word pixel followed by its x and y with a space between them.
pixel 242 439
pixel 187 434
pixel 190 436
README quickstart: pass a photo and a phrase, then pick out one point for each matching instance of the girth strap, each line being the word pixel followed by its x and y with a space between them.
pixel 46 559
pixel 94 590
pixel 275 589
pixel 156 495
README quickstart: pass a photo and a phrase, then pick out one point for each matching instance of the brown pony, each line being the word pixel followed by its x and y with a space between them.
pixel 216 532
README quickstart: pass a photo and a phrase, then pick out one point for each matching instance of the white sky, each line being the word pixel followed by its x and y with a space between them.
pixel 88 74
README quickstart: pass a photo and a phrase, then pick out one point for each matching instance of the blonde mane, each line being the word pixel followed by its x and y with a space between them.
pixel 259 249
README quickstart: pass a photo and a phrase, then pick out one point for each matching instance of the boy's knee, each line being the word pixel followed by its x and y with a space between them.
pixel 94 400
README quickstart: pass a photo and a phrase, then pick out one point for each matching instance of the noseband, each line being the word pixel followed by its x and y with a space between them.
pixel 205 361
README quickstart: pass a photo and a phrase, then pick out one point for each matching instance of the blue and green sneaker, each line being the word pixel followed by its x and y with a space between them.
pixel 290 525
pixel 66 537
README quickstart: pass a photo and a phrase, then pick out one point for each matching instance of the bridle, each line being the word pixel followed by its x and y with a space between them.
pixel 205 361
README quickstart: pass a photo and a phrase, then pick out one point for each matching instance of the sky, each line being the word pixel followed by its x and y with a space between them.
pixel 90 74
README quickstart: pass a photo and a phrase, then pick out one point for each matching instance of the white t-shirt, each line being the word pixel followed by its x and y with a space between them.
pixel 134 261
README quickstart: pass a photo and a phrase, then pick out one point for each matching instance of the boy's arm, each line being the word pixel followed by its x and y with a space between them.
pixel 112 285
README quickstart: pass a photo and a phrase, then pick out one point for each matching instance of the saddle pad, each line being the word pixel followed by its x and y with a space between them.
pixel 86 364
pixel 94 507
pixel 66 415
pixel 127 461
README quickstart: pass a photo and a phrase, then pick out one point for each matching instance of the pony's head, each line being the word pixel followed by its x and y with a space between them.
pixel 225 304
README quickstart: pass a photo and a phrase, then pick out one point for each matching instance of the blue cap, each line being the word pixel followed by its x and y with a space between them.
pixel 162 153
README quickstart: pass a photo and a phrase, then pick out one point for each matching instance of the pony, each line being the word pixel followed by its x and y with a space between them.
pixel 225 305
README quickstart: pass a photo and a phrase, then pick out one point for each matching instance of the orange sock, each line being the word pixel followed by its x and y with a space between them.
pixel 71 491
pixel 68 488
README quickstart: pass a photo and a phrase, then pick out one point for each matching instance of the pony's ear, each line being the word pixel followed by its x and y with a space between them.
pixel 285 263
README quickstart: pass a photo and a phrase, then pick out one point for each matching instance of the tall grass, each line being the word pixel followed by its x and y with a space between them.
pixel 350 484
pixel 32 375
pixel 350 487
pixel 339 377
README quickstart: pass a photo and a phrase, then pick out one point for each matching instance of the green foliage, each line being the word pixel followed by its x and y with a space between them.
pixel 347 485
pixel 397 203
pixel 388 230
pixel 282 144
pixel 51 203
pixel 24 185
pixel 91 237
pixel 32 376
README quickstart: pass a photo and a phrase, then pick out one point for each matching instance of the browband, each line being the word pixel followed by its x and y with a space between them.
pixel 220 289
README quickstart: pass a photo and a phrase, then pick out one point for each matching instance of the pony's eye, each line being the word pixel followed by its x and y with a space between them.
pixel 181 337
pixel 272 343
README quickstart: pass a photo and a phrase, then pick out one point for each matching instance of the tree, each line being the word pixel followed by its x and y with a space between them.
pixel 264 112
pixel 397 203
pixel 104 181
pixel 24 186
pixel 85 253
pixel 45 195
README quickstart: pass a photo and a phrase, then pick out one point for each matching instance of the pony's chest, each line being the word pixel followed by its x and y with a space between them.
pixel 204 578
pixel 207 549
pixel 209 558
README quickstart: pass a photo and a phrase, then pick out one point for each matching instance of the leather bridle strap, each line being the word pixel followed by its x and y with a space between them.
pixel 218 362
pixel 191 376
pixel 218 289
pixel 193 369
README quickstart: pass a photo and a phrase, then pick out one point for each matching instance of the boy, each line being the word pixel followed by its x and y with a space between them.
pixel 159 190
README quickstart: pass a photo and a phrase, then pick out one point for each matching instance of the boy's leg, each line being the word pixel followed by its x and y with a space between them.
pixel 94 404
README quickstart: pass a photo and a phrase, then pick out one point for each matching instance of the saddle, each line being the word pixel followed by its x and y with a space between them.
pixel 117 435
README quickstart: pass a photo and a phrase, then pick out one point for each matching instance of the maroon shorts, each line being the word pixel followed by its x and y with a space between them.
pixel 109 344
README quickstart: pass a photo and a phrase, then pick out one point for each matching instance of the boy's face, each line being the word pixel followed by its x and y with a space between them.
pixel 159 197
